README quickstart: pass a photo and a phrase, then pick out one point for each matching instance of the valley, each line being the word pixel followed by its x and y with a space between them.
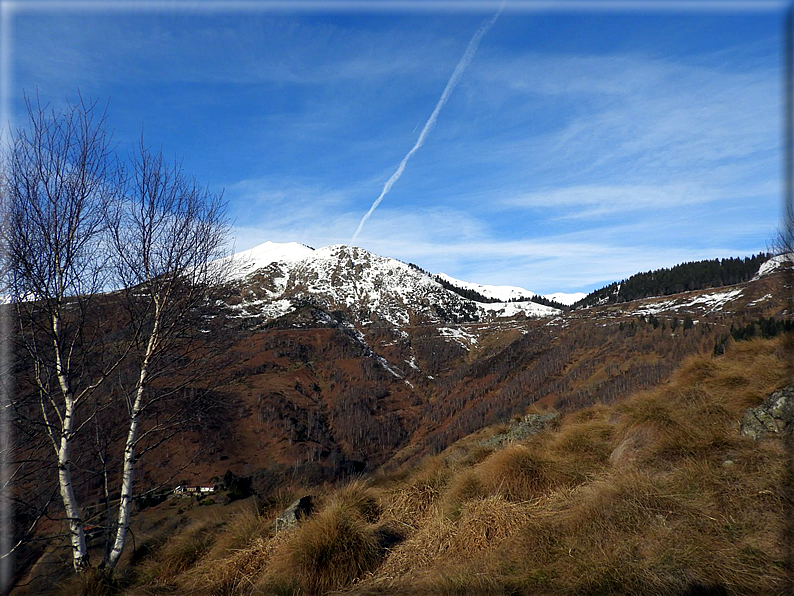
pixel 339 364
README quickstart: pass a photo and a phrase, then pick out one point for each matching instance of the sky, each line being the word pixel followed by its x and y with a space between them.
pixel 578 146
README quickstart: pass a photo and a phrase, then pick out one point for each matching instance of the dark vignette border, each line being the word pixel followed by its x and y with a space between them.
pixel 9 7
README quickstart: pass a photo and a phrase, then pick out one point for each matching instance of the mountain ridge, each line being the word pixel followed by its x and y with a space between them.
pixel 379 290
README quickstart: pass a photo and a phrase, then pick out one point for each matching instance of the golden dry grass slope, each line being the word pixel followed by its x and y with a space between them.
pixel 659 494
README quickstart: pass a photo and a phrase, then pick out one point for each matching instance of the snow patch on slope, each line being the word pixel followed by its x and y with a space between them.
pixel 712 301
pixel 501 293
pixel 774 264
pixel 460 335
pixel 564 298
pixel 511 309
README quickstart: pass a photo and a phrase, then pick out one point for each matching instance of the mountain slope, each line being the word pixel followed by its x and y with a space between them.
pixel 660 494
pixel 695 275
pixel 340 362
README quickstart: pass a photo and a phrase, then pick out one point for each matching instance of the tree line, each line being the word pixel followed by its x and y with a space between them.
pixel 695 275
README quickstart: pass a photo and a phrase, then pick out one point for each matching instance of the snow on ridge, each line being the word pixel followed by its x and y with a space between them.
pixel 264 254
pixel 774 264
pixel 501 293
pixel 565 298
pixel 511 309
pixel 371 285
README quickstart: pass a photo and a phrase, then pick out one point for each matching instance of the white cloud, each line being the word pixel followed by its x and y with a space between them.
pixel 594 200
pixel 613 114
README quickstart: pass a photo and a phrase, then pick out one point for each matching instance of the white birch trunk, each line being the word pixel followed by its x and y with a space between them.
pixel 73 514
pixel 125 502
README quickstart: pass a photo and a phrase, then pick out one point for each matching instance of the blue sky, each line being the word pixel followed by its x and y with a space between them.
pixel 577 148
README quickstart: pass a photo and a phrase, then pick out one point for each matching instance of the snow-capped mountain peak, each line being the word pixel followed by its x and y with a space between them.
pixel 370 288
pixel 261 256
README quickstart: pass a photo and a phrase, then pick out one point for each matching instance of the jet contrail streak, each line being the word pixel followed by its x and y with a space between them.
pixel 453 81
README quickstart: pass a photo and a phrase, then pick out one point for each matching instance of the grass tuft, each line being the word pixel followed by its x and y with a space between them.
pixel 328 551
pixel 518 473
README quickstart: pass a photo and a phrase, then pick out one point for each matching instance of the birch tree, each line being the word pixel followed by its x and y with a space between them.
pixel 61 180
pixel 168 235
pixel 112 279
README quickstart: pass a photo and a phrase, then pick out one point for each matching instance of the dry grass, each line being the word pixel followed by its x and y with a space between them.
pixel 241 552
pixel 241 530
pixel 425 546
pixel 485 522
pixel 519 473
pixel 660 494
pixel 183 551
pixel 235 574
pixel 464 487
pixel 583 449
pixel 361 497
pixel 91 583
pixel 415 498
pixel 328 551
pixel 645 532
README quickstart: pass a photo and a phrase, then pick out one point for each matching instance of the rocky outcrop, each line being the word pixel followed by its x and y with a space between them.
pixel 290 517
pixel 774 415
pixel 526 427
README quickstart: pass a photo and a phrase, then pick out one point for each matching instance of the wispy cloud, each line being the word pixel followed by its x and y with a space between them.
pixel 211 49
pixel 549 169
pixel 591 201
pixel 633 111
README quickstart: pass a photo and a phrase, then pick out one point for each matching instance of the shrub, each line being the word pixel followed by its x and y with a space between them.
pixel 518 473
pixel 328 551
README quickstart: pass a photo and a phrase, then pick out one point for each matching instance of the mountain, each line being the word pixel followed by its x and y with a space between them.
pixel 337 362
pixel 347 359
pixel 276 279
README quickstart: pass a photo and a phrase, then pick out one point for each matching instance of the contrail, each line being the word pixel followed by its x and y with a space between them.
pixel 453 81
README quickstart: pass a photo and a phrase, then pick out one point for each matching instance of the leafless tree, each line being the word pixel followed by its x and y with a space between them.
pixel 60 183
pixel 112 274
pixel 168 235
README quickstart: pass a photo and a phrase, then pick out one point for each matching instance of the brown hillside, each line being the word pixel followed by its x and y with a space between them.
pixel 312 398
pixel 658 494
